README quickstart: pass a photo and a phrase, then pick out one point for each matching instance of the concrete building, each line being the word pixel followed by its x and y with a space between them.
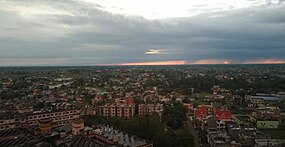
pixel 58 118
pixel 10 120
pixel 45 126
pixel 77 126
pixel 126 111
pixel 122 111
pixel 267 143
pixel 108 111
pixel 147 109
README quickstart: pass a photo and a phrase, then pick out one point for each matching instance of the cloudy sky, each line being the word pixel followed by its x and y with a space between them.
pixel 135 32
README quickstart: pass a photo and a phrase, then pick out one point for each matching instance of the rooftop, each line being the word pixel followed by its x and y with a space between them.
pixel 119 136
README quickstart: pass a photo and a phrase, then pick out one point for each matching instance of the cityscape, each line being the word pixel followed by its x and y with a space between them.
pixel 186 105
pixel 142 73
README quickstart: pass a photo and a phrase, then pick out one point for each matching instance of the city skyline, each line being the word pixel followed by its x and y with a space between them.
pixel 109 32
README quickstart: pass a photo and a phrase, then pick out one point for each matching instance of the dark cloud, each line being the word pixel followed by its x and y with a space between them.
pixel 85 34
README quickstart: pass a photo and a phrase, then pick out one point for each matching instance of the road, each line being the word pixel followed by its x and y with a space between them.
pixel 192 130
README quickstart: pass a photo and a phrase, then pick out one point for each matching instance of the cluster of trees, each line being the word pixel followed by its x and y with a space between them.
pixel 168 132
pixel 174 115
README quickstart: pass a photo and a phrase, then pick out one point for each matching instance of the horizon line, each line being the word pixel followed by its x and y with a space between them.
pixel 118 65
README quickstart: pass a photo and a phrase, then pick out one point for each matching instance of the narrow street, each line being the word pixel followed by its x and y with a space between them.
pixel 192 130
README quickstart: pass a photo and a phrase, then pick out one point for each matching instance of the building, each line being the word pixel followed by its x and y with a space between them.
pixel 225 116
pixel 147 109
pixel 258 100
pixel 267 143
pixel 10 120
pixel 45 126
pixel 217 134
pixel 126 111
pixel 122 111
pixel 58 118
pixel 201 113
pixel 77 126
pixel 110 136
pixel 108 111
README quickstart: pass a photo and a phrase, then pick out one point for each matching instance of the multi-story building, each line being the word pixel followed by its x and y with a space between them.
pixel 10 120
pixel 108 111
pixel 147 109
pixel 58 118
pixel 123 111
pixel 126 111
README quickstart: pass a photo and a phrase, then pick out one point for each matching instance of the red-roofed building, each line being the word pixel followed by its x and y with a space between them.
pixel 223 115
pixel 201 112
pixel 131 101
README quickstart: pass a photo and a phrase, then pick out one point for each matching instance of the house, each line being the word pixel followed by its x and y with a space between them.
pixel 267 143
pixel 201 113
pixel 225 116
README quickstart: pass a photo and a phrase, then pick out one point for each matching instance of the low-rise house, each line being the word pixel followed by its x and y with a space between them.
pixel 201 113
pixel 222 115
pixel 267 143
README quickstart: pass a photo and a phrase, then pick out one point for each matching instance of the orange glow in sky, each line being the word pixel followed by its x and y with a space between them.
pixel 210 61
pixel 178 62
pixel 267 61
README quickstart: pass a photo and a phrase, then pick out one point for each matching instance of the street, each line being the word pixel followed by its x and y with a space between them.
pixel 192 130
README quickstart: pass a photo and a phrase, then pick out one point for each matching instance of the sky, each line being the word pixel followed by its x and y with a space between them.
pixel 141 32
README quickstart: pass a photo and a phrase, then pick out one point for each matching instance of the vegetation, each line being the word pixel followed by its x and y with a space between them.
pixel 275 133
pixel 174 115
pixel 167 133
